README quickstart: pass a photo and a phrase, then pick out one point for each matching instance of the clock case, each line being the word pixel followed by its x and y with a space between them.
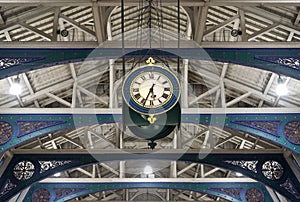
pixel 167 119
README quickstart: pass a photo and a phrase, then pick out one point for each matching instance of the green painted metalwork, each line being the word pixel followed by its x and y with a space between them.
pixel 279 60
pixel 271 126
pixel 235 192
pixel 259 166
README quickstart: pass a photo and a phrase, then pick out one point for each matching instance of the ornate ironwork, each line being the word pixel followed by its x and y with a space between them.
pixel 291 62
pixel 249 165
pixel 289 186
pixel 10 61
pixel 272 170
pixel 41 195
pixel 292 131
pixel 26 127
pixel 8 186
pixel 49 165
pixel 254 195
pixel 5 132
pixel 61 193
pixel 233 192
pixel 269 127
pixel 24 170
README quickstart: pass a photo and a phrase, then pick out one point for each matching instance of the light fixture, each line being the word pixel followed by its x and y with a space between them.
pixel 148 170
pixel 57 175
pixel 15 88
pixel 239 174
pixel 281 88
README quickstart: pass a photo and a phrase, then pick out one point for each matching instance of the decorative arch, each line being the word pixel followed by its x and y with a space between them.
pixel 236 191
pixel 270 168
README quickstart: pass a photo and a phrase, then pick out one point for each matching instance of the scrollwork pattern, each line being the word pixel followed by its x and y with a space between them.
pixel 10 61
pixel 49 165
pixel 289 186
pixel 291 62
pixel 249 165
pixel 233 192
pixel 8 186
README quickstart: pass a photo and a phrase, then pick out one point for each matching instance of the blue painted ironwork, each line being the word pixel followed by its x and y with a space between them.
pixel 237 192
pixel 292 132
pixel 8 62
pixel 5 132
pixel 287 184
pixel 270 59
pixel 281 128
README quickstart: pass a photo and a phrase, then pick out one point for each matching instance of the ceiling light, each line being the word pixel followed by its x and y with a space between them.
pixel 281 88
pixel 239 174
pixel 148 170
pixel 57 175
pixel 15 88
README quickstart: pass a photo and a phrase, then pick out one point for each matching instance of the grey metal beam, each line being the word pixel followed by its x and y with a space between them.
pixel 170 44
pixel 143 151
pixel 135 2
pixel 270 110
pixel 116 180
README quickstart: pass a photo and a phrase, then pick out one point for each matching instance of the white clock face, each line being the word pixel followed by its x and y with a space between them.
pixel 151 89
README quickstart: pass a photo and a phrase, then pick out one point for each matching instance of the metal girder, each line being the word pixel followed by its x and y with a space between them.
pixel 70 159
pixel 170 44
pixel 135 2
pixel 148 180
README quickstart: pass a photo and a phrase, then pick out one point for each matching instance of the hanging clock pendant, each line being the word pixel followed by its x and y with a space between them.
pixel 151 90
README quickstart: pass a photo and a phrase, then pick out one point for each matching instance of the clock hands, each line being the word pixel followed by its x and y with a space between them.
pixel 150 92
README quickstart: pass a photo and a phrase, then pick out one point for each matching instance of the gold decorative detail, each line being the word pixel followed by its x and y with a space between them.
pixel 151 119
pixel 150 61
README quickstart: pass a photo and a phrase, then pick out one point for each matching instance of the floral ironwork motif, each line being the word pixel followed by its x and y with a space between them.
pixel 49 165
pixel 233 192
pixel 24 170
pixel 289 186
pixel 292 131
pixel 8 186
pixel 291 62
pixel 10 61
pixel 249 165
pixel 272 170
pixel 41 195
pixel 61 193
pixel 269 127
pixel 5 132
pixel 26 127
pixel 254 195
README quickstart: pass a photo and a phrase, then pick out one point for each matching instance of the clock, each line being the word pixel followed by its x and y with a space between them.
pixel 151 90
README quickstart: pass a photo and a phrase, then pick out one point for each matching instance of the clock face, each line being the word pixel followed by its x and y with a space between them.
pixel 151 90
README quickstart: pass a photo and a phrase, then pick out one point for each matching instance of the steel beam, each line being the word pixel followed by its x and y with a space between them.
pixel 135 2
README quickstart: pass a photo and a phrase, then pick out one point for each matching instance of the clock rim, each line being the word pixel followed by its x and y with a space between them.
pixel 162 108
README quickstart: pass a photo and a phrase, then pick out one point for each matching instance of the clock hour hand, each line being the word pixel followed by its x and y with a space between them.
pixel 150 91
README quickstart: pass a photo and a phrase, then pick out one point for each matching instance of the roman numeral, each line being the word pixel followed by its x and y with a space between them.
pixel 135 90
pixel 151 76
pixel 151 102
pixel 137 82
pixel 137 96
pixel 165 95
pixel 143 77
pixel 164 82
pixel 158 78
pixel 143 101
pixel 167 89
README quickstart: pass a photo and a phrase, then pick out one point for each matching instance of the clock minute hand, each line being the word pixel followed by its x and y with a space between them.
pixel 150 91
